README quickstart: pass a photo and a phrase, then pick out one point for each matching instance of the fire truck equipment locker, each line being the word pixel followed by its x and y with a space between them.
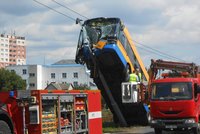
pixel 53 111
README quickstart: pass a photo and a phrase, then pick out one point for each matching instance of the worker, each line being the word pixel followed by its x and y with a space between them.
pixel 133 77
pixel 138 73
pixel 134 88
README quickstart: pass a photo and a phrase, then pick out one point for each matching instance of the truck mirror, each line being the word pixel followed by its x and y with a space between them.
pixel 198 89
pixel 146 97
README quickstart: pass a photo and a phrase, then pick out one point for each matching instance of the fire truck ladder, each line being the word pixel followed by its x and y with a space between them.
pixel 191 68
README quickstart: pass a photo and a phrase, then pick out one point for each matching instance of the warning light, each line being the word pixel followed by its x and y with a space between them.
pixel 11 93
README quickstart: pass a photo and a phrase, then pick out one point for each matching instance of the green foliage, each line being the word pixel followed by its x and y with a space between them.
pixel 81 87
pixel 11 81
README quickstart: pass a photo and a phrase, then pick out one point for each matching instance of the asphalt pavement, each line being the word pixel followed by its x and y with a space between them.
pixel 144 130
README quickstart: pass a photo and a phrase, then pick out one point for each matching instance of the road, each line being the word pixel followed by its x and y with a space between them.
pixel 143 130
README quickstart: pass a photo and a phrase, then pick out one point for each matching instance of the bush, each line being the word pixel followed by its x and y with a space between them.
pixel 81 87
pixel 11 81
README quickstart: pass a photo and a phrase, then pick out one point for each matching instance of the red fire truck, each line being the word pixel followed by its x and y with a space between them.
pixel 50 112
pixel 175 102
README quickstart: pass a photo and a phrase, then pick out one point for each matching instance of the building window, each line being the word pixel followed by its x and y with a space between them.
pixel 13 71
pixel 64 75
pixel 53 75
pixel 32 84
pixel 75 75
pixel 31 74
pixel 75 83
pixel 24 71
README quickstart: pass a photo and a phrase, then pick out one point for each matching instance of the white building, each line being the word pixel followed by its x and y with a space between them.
pixel 39 76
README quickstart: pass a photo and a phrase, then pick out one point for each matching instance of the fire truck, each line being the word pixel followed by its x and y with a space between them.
pixel 174 91
pixel 50 112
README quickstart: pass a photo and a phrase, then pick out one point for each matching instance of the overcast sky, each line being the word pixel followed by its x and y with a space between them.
pixel 169 26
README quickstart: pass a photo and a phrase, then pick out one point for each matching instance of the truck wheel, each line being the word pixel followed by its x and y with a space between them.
pixel 196 130
pixel 149 117
pixel 4 129
pixel 157 131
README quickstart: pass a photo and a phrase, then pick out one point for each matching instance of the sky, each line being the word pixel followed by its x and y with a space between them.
pixel 161 29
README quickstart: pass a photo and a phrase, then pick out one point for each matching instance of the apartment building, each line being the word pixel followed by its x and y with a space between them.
pixel 12 50
pixel 39 76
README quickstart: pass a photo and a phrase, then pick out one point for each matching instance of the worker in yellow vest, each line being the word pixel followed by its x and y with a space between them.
pixel 133 77
pixel 134 91
pixel 138 73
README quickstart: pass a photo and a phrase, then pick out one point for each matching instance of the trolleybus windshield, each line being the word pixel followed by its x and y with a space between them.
pixel 106 27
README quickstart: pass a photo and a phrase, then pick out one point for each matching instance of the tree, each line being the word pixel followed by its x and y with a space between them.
pixel 9 80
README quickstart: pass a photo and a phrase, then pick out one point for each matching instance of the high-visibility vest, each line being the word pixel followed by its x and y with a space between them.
pixel 140 76
pixel 133 78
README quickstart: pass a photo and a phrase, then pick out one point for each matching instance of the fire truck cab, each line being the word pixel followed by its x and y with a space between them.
pixel 174 102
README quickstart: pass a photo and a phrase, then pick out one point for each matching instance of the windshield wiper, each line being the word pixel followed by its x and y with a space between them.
pixel 168 98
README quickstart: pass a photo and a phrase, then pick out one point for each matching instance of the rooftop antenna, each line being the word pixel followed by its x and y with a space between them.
pixel 14 33
pixel 44 59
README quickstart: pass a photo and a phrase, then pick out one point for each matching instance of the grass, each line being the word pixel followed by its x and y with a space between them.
pixel 108 125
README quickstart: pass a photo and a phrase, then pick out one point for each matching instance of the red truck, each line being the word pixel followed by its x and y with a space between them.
pixel 174 96
pixel 50 112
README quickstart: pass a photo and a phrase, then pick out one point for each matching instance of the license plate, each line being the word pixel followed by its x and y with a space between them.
pixel 171 126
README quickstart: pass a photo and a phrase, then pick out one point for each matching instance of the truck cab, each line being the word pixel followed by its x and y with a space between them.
pixel 175 104
pixel 174 96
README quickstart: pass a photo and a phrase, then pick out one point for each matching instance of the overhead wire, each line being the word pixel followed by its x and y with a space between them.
pixel 70 9
pixel 155 51
pixel 150 51
pixel 55 10
pixel 158 51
